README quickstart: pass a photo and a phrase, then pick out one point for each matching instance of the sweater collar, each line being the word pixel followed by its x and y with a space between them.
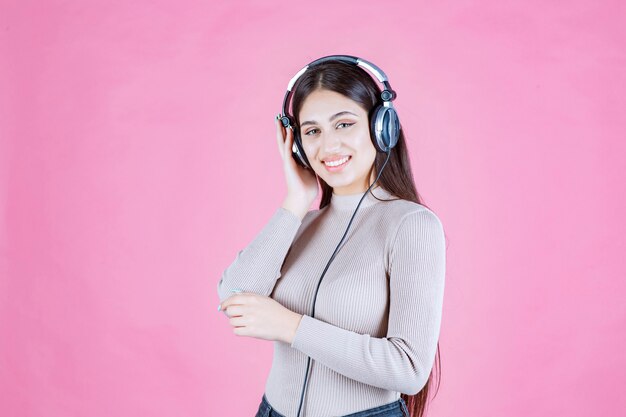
pixel 344 202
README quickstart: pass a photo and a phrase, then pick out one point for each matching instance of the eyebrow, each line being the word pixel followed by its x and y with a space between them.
pixel 333 117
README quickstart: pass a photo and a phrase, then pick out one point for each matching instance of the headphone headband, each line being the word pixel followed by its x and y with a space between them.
pixel 371 67
pixel 386 95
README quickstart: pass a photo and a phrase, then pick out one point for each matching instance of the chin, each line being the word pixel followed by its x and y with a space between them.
pixel 333 182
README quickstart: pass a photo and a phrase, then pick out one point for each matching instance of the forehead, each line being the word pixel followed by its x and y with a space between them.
pixel 322 103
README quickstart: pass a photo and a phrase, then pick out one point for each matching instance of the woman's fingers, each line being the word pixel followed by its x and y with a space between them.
pixel 234 311
pixel 288 142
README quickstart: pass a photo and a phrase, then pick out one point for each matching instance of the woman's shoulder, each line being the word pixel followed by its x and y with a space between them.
pixel 404 211
pixel 400 206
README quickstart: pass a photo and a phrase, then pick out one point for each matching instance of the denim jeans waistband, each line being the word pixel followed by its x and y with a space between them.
pixel 397 408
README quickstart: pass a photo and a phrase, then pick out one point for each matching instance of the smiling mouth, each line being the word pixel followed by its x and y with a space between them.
pixel 338 164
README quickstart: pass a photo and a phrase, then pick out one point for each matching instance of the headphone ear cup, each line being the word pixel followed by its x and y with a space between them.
pixel 298 150
pixel 385 127
pixel 391 125
pixel 376 137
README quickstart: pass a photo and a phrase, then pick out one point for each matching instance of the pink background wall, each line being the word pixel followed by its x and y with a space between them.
pixel 137 155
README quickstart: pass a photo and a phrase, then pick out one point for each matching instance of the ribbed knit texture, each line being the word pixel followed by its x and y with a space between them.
pixel 378 310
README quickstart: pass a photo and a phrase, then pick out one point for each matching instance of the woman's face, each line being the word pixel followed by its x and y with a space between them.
pixel 333 127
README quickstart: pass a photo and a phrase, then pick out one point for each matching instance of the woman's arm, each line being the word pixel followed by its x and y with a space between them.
pixel 402 360
pixel 257 267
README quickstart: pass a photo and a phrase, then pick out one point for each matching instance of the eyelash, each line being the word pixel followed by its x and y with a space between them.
pixel 312 130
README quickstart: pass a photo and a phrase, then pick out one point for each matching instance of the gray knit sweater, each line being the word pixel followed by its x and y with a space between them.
pixel 378 310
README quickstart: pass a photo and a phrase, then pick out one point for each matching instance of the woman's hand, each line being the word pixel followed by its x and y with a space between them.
pixel 262 317
pixel 301 182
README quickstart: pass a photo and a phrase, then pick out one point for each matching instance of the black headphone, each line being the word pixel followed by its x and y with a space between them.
pixel 384 125
pixel 384 129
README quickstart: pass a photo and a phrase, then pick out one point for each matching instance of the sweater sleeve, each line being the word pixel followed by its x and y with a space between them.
pixel 401 361
pixel 257 267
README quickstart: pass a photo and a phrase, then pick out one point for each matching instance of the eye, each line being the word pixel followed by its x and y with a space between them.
pixel 312 130
pixel 346 124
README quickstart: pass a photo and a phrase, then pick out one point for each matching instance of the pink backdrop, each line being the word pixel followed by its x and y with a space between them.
pixel 138 155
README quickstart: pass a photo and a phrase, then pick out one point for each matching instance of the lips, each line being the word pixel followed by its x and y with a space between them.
pixel 335 158
pixel 335 168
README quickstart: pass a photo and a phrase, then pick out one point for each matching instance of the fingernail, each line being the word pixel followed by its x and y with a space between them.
pixel 219 307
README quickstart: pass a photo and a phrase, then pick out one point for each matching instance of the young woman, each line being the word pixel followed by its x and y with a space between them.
pixel 361 341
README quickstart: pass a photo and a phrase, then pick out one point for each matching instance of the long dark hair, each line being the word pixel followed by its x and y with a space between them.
pixel 355 83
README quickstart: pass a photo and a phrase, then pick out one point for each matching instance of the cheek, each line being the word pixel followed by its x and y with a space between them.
pixel 309 148
pixel 363 139
pixel 365 145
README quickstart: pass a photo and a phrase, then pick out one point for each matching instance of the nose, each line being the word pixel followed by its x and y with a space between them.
pixel 331 142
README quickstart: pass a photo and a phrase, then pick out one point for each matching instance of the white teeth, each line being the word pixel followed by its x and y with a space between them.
pixel 337 163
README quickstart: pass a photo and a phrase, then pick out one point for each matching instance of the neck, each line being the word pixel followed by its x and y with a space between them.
pixel 343 202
